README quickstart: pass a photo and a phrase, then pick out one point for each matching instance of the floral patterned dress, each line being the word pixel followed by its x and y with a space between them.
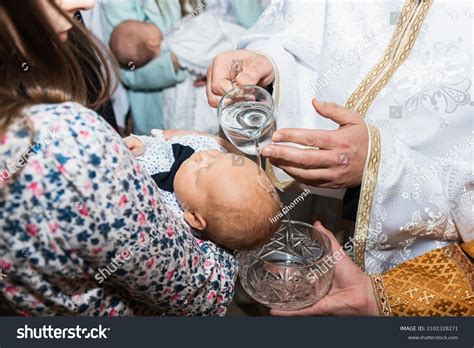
pixel 84 230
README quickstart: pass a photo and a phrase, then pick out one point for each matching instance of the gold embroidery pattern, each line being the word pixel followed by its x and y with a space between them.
pixel 403 39
pixel 462 261
pixel 381 295
pixel 433 284
pixel 369 181
pixel 361 90
pixel 397 52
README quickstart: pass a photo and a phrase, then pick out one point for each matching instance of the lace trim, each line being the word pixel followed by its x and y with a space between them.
pixel 403 39
pixel 455 252
pixel 369 182
pixel 381 295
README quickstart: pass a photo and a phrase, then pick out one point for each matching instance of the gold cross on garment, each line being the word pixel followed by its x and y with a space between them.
pixel 410 292
pixel 426 297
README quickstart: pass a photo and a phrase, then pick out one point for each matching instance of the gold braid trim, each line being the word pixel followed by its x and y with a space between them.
pixel 381 295
pixel 403 39
pixel 369 181
pixel 438 283
pixel 280 185
pixel 462 261
pixel 364 86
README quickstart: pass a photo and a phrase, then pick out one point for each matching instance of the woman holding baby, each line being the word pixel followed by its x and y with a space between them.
pixel 83 228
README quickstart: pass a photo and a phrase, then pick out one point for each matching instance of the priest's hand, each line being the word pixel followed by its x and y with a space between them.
pixel 337 158
pixel 351 293
pixel 253 69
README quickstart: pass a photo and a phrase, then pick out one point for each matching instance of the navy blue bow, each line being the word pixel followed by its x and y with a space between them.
pixel 165 180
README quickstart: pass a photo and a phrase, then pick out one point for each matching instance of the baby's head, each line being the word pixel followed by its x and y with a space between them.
pixel 225 197
pixel 136 42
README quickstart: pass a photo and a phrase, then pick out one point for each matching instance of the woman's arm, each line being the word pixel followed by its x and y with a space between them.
pixel 159 73
pixel 121 223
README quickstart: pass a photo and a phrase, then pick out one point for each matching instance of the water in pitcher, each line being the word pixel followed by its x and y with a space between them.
pixel 248 125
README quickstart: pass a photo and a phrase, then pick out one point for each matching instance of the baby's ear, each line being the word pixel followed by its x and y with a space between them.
pixel 195 220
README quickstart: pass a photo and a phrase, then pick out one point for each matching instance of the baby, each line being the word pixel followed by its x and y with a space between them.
pixel 195 42
pixel 135 42
pixel 192 45
pixel 218 193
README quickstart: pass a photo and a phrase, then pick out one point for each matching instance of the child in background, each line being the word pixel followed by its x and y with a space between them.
pixel 195 43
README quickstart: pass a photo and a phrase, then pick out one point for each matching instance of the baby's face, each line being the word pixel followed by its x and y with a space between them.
pixel 213 170
pixel 226 197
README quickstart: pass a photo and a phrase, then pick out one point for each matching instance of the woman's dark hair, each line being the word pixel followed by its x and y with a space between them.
pixel 37 67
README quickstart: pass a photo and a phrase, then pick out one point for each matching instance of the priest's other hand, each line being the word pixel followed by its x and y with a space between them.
pixel 337 158
pixel 351 293
pixel 252 69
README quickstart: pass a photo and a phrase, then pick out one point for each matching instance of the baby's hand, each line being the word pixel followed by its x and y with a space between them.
pixel 135 145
